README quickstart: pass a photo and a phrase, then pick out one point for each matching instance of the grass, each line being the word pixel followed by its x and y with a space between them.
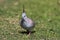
pixel 45 13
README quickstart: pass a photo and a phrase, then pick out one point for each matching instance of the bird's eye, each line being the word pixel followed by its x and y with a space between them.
pixel 24 16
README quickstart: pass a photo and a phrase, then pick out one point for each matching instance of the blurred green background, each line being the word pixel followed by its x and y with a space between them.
pixel 45 13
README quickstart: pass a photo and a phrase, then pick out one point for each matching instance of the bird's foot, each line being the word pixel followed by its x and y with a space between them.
pixel 29 33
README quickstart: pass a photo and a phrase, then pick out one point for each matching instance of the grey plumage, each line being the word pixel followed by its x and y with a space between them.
pixel 26 22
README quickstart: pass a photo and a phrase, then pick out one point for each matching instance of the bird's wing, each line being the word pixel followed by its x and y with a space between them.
pixel 21 22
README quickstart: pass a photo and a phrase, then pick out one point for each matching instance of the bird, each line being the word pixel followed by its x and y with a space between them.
pixel 26 23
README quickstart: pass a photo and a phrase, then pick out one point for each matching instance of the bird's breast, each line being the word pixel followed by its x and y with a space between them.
pixel 28 22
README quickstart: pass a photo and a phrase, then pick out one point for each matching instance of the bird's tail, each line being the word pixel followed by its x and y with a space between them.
pixel 23 9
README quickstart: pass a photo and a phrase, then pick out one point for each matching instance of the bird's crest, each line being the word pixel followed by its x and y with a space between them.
pixel 23 9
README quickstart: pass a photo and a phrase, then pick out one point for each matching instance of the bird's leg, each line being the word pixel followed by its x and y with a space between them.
pixel 29 32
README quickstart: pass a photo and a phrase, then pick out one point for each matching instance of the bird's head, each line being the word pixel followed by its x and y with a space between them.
pixel 23 15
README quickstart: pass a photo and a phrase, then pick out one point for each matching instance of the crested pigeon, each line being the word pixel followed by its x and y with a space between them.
pixel 26 23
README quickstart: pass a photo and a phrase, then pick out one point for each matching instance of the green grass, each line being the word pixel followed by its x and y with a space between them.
pixel 45 13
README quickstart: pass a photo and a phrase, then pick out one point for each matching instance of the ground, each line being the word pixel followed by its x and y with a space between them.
pixel 45 13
